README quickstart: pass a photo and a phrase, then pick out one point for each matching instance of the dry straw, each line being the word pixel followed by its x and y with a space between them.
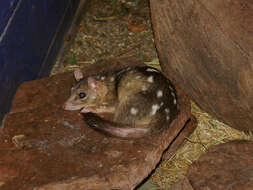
pixel 209 132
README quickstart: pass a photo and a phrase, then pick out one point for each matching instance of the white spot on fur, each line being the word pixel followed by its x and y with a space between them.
pixel 167 117
pixel 171 88
pixel 155 107
pixel 94 125
pixel 159 93
pixel 173 94
pixel 112 79
pixel 150 79
pixel 144 88
pixel 134 111
pixel 92 97
pixel 152 70
pixel 103 78
pixel 161 104
pixel 167 110
pixel 175 101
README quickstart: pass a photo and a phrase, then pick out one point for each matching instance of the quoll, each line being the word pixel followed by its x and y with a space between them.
pixel 141 99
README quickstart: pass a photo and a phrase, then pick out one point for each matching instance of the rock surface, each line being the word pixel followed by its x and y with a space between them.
pixel 44 147
pixel 207 48
pixel 225 166
pixel 190 126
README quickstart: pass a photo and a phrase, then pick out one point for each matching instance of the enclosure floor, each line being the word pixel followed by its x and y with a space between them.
pixel 111 29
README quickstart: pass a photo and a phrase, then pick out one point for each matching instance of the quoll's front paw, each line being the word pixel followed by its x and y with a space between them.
pixel 87 110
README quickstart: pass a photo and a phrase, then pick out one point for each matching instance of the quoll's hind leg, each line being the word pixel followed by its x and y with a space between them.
pixel 135 109
pixel 114 129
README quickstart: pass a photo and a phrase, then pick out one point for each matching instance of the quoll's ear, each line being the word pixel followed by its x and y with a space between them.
pixel 78 74
pixel 93 83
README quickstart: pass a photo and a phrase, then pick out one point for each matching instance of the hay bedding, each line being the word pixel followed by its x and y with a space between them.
pixel 93 43
pixel 209 132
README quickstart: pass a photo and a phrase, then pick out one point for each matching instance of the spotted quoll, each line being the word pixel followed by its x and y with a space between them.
pixel 141 99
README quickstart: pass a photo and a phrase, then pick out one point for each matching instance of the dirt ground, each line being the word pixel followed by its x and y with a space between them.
pixel 120 28
pixel 111 29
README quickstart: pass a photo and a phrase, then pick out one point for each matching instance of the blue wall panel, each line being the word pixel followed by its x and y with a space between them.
pixel 31 32
pixel 6 10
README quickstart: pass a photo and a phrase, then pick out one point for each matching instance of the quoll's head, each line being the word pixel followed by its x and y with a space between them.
pixel 83 94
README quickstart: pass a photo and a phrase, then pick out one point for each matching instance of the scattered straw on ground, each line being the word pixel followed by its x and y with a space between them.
pixel 209 132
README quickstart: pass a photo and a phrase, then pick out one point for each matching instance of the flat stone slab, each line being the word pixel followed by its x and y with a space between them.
pixel 44 147
pixel 225 166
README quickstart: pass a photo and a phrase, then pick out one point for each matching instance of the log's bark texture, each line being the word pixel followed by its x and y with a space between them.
pixel 206 48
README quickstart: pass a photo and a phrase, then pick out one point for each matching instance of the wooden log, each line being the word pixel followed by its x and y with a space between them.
pixel 206 48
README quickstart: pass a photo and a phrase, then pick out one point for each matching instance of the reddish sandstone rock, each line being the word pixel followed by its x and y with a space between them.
pixel 44 147
pixel 206 47
pixel 190 126
pixel 225 166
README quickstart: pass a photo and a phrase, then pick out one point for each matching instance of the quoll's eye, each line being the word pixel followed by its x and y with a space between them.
pixel 82 95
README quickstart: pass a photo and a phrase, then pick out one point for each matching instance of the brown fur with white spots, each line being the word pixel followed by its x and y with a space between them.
pixel 137 103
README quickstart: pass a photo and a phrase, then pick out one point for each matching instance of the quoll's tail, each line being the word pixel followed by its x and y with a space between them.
pixel 114 129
